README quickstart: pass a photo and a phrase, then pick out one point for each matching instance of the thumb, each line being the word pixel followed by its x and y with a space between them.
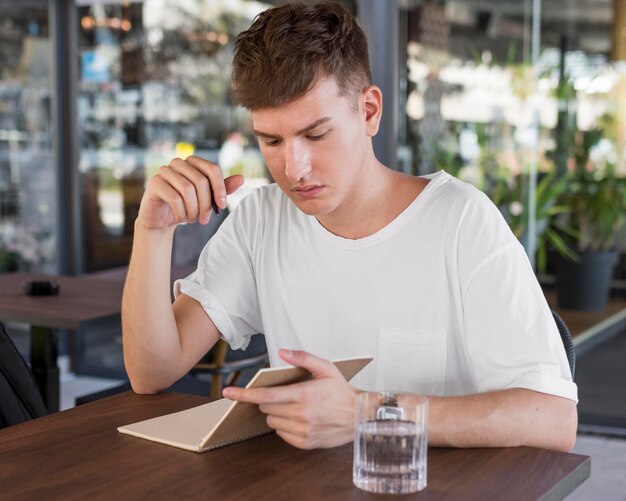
pixel 233 183
pixel 318 367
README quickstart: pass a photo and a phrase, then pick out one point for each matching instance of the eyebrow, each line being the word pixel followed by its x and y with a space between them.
pixel 301 132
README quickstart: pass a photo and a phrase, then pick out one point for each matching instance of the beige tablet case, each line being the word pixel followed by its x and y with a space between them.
pixel 225 421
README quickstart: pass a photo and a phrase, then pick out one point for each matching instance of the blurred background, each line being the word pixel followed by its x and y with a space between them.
pixel 95 96
pixel 525 99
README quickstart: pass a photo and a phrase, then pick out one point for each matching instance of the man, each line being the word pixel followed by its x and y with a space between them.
pixel 345 257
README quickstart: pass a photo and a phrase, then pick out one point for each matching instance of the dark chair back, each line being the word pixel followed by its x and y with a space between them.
pixel 20 399
pixel 226 366
pixel 568 342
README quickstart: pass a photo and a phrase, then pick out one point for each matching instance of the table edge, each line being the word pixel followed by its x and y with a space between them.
pixel 570 483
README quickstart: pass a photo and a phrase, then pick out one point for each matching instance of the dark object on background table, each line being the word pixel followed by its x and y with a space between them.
pixel 41 288
pixel 84 300
pixel 19 393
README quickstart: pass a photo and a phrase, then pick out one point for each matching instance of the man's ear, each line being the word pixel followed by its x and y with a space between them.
pixel 372 108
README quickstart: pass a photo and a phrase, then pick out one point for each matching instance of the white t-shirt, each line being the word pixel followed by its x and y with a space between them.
pixel 443 297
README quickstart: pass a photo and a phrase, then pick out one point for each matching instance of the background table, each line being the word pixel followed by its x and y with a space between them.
pixel 79 454
pixel 80 301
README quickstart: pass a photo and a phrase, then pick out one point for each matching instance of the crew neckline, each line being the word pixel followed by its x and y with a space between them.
pixel 435 181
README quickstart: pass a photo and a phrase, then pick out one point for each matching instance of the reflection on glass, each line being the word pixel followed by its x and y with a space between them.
pixel 481 108
pixel 155 84
pixel 27 175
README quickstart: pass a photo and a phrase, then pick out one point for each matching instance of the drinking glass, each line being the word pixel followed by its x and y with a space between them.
pixel 390 442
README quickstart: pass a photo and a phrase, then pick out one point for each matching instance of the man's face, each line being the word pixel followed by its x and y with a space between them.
pixel 315 147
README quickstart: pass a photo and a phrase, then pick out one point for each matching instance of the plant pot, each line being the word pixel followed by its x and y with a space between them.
pixel 585 285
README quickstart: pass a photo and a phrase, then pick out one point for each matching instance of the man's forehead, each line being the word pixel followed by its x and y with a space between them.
pixel 322 101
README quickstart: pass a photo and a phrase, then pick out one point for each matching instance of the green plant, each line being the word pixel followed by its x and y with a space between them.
pixel 597 201
pixel 550 226
pixel 8 259
pixel 595 195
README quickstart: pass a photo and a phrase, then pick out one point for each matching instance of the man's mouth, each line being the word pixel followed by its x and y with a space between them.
pixel 308 191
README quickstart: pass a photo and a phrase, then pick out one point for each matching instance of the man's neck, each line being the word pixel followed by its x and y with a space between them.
pixel 377 200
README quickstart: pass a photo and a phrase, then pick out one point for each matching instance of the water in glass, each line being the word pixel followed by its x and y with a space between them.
pixel 388 457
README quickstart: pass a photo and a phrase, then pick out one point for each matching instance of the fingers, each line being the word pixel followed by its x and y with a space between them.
pixel 295 440
pixel 298 392
pixel 297 434
pixel 192 186
pixel 318 367
pixel 233 183
pixel 220 186
pixel 161 195
pixel 314 413
pixel 288 411
pixel 306 434
pixel 208 181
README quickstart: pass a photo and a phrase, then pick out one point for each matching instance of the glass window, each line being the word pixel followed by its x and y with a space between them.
pixel 155 84
pixel 27 172
pixel 470 97
pixel 582 74
pixel 515 108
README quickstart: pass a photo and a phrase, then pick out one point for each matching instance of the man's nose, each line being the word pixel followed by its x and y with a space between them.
pixel 297 162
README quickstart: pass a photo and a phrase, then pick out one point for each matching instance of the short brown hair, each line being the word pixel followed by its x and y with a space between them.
pixel 288 48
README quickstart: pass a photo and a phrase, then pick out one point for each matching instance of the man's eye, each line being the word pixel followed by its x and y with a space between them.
pixel 319 137
pixel 272 142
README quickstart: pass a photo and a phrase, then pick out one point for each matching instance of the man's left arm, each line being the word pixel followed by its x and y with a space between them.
pixel 320 413
pixel 504 418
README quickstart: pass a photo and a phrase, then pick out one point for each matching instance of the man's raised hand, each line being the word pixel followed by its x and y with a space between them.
pixel 182 192
pixel 318 413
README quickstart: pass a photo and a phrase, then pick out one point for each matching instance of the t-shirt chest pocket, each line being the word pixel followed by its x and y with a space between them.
pixel 411 361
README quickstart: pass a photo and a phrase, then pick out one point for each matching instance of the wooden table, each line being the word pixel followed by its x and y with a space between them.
pixel 80 301
pixel 78 454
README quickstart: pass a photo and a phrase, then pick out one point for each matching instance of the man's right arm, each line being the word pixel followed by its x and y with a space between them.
pixel 163 341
